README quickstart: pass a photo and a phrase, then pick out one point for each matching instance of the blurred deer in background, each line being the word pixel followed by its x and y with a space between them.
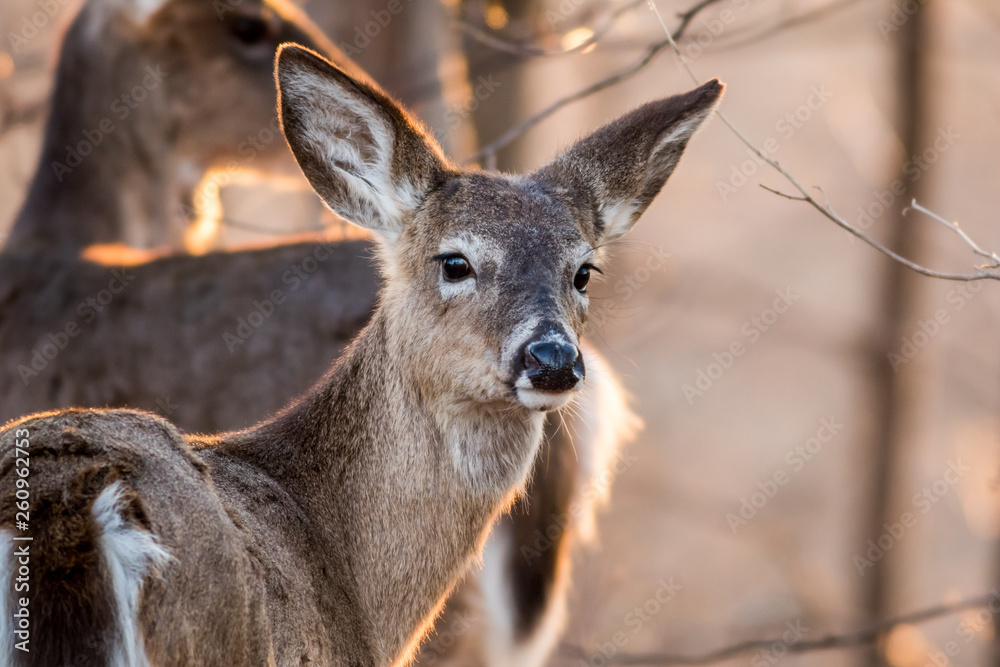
pixel 216 341
pixel 77 332
pixel 332 532
pixel 143 106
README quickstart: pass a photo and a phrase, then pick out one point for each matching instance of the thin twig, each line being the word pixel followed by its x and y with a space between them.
pixel 861 637
pixel 953 226
pixel 521 128
pixel 983 273
pixel 531 50
pixel 737 40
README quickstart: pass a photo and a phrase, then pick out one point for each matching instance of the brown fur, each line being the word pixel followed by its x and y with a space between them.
pixel 159 343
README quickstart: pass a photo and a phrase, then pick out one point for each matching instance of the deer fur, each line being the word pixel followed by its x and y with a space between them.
pixel 332 532
pixel 143 106
pixel 167 340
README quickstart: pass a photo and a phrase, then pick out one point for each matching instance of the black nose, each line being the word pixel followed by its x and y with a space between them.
pixel 553 365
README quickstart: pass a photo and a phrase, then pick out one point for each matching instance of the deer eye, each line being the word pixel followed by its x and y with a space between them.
pixel 455 267
pixel 581 278
pixel 250 30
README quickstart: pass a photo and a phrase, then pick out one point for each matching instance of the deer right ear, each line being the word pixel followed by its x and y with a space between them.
pixel 620 168
pixel 368 160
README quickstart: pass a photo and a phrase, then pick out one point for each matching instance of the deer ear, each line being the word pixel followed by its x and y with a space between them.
pixel 620 168
pixel 364 155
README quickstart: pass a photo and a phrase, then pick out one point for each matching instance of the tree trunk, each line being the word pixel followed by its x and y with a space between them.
pixel 497 78
pixel 899 290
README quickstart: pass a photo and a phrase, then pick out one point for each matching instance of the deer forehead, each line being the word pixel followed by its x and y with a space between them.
pixel 505 222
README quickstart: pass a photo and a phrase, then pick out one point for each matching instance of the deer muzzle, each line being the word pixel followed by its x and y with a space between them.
pixel 552 363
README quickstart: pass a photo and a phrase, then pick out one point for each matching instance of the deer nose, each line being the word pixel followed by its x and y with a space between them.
pixel 553 365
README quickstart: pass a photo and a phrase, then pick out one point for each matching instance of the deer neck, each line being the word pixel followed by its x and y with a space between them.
pixel 402 491
pixel 103 175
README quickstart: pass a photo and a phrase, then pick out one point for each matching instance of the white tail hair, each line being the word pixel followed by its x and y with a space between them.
pixel 130 554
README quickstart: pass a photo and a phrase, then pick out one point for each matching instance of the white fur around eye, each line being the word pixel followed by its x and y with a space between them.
pixel 472 249
pixel 451 290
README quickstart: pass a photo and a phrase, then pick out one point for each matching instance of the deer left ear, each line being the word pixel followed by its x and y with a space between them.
pixel 365 156
pixel 621 167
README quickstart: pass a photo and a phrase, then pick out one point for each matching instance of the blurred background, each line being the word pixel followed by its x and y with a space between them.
pixel 821 444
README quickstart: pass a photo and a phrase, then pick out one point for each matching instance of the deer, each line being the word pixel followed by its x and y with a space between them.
pixel 333 531
pixel 167 331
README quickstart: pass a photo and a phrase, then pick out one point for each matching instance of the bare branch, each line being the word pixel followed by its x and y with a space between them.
pixel 738 39
pixel 530 50
pixel 521 128
pixel 783 194
pixel 735 39
pixel 953 226
pixel 752 34
pixel 982 273
pixel 862 637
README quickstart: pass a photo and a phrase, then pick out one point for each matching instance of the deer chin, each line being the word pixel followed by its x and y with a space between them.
pixel 544 401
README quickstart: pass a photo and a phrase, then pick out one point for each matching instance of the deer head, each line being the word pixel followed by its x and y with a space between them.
pixel 487 273
pixel 212 57
pixel 149 96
